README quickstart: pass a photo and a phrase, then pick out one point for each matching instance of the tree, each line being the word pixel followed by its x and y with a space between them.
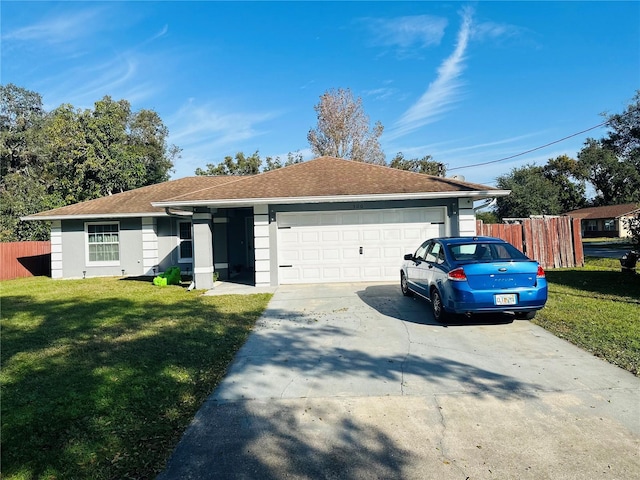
pixel 531 194
pixel 419 165
pixel 22 195
pixel 633 225
pixel 68 155
pixel 148 143
pixel 242 165
pixel 21 113
pixel 343 129
pixel 612 164
pixel 274 163
pixel 615 180
pixel 624 136
pixel 563 172
pixel 487 217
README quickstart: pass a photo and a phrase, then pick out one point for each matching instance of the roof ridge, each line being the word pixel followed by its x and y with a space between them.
pixel 238 178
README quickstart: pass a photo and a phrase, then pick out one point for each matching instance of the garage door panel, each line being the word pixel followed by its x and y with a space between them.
pixel 287 236
pixel 392 234
pixel 289 256
pixel 331 273
pixel 350 236
pixel 289 275
pixel 329 249
pixel 371 253
pixel 350 253
pixel 310 273
pixel 372 272
pixel 393 252
pixel 370 235
pixel 351 273
pixel 330 236
pixel 313 255
pixel 331 254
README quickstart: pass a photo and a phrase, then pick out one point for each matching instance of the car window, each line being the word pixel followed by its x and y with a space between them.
pixel 482 252
pixel 506 251
pixel 433 253
pixel 421 252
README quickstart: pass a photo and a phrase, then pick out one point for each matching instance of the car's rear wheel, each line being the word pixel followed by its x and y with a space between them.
pixel 404 285
pixel 525 315
pixel 439 313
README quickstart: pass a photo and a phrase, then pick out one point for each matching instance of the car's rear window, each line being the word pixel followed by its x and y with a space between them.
pixel 485 252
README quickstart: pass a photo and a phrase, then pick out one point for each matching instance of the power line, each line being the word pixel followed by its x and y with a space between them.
pixel 531 150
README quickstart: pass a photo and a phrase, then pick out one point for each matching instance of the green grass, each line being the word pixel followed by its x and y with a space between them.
pixel 597 308
pixel 100 377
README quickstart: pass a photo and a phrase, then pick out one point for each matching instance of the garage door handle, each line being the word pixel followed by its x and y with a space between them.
pixel 360 250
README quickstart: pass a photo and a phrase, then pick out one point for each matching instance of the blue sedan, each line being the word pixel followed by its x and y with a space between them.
pixel 466 275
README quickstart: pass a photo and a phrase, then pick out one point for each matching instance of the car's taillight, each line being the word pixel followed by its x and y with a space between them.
pixel 540 273
pixel 457 275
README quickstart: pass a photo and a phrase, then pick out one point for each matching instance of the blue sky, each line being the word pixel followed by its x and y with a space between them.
pixel 466 83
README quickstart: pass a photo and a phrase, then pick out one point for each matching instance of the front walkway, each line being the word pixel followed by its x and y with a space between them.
pixel 231 288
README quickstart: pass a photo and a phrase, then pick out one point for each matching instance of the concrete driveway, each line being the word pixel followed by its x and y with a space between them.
pixel 355 381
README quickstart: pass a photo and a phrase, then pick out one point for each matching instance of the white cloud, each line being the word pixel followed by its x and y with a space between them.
pixel 203 124
pixel 57 29
pixel 404 32
pixel 443 92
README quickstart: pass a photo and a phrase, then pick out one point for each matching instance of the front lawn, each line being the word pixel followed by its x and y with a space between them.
pixel 100 377
pixel 597 308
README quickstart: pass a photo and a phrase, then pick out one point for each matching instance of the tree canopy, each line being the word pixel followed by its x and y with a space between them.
pixel 248 165
pixel 610 165
pixel 68 155
pixel 343 129
pixel 420 165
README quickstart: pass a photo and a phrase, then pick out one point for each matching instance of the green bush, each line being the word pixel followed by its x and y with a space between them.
pixel 170 277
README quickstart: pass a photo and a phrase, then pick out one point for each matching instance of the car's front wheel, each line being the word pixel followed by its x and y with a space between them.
pixel 404 285
pixel 439 313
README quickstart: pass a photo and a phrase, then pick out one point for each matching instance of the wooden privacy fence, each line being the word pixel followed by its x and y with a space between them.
pixel 553 241
pixel 24 259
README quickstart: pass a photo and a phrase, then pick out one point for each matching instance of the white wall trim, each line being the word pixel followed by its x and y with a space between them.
pixel 56 249
pixel 261 245
pixel 150 258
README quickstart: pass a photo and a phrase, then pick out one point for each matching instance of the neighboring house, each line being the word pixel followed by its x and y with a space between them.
pixel 608 221
pixel 324 220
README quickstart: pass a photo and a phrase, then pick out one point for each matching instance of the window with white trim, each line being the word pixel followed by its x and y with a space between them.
pixel 610 225
pixel 185 242
pixel 103 243
pixel 592 225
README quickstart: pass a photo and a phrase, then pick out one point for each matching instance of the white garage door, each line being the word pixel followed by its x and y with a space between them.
pixel 351 246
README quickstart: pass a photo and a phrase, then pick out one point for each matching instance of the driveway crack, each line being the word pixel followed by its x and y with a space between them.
pixel 404 360
pixel 441 442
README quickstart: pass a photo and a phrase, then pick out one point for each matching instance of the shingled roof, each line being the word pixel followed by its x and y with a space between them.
pixel 608 211
pixel 133 203
pixel 321 179
pixel 329 178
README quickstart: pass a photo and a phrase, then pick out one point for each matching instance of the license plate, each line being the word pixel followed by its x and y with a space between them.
pixel 506 299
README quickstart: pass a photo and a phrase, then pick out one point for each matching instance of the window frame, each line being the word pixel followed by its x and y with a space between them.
pixel 181 240
pixel 609 225
pixel 101 263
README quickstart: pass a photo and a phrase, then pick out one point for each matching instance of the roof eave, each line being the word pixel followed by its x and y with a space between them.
pixel 92 216
pixel 475 194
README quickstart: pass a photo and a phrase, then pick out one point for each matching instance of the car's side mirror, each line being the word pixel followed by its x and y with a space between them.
pixel 409 256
